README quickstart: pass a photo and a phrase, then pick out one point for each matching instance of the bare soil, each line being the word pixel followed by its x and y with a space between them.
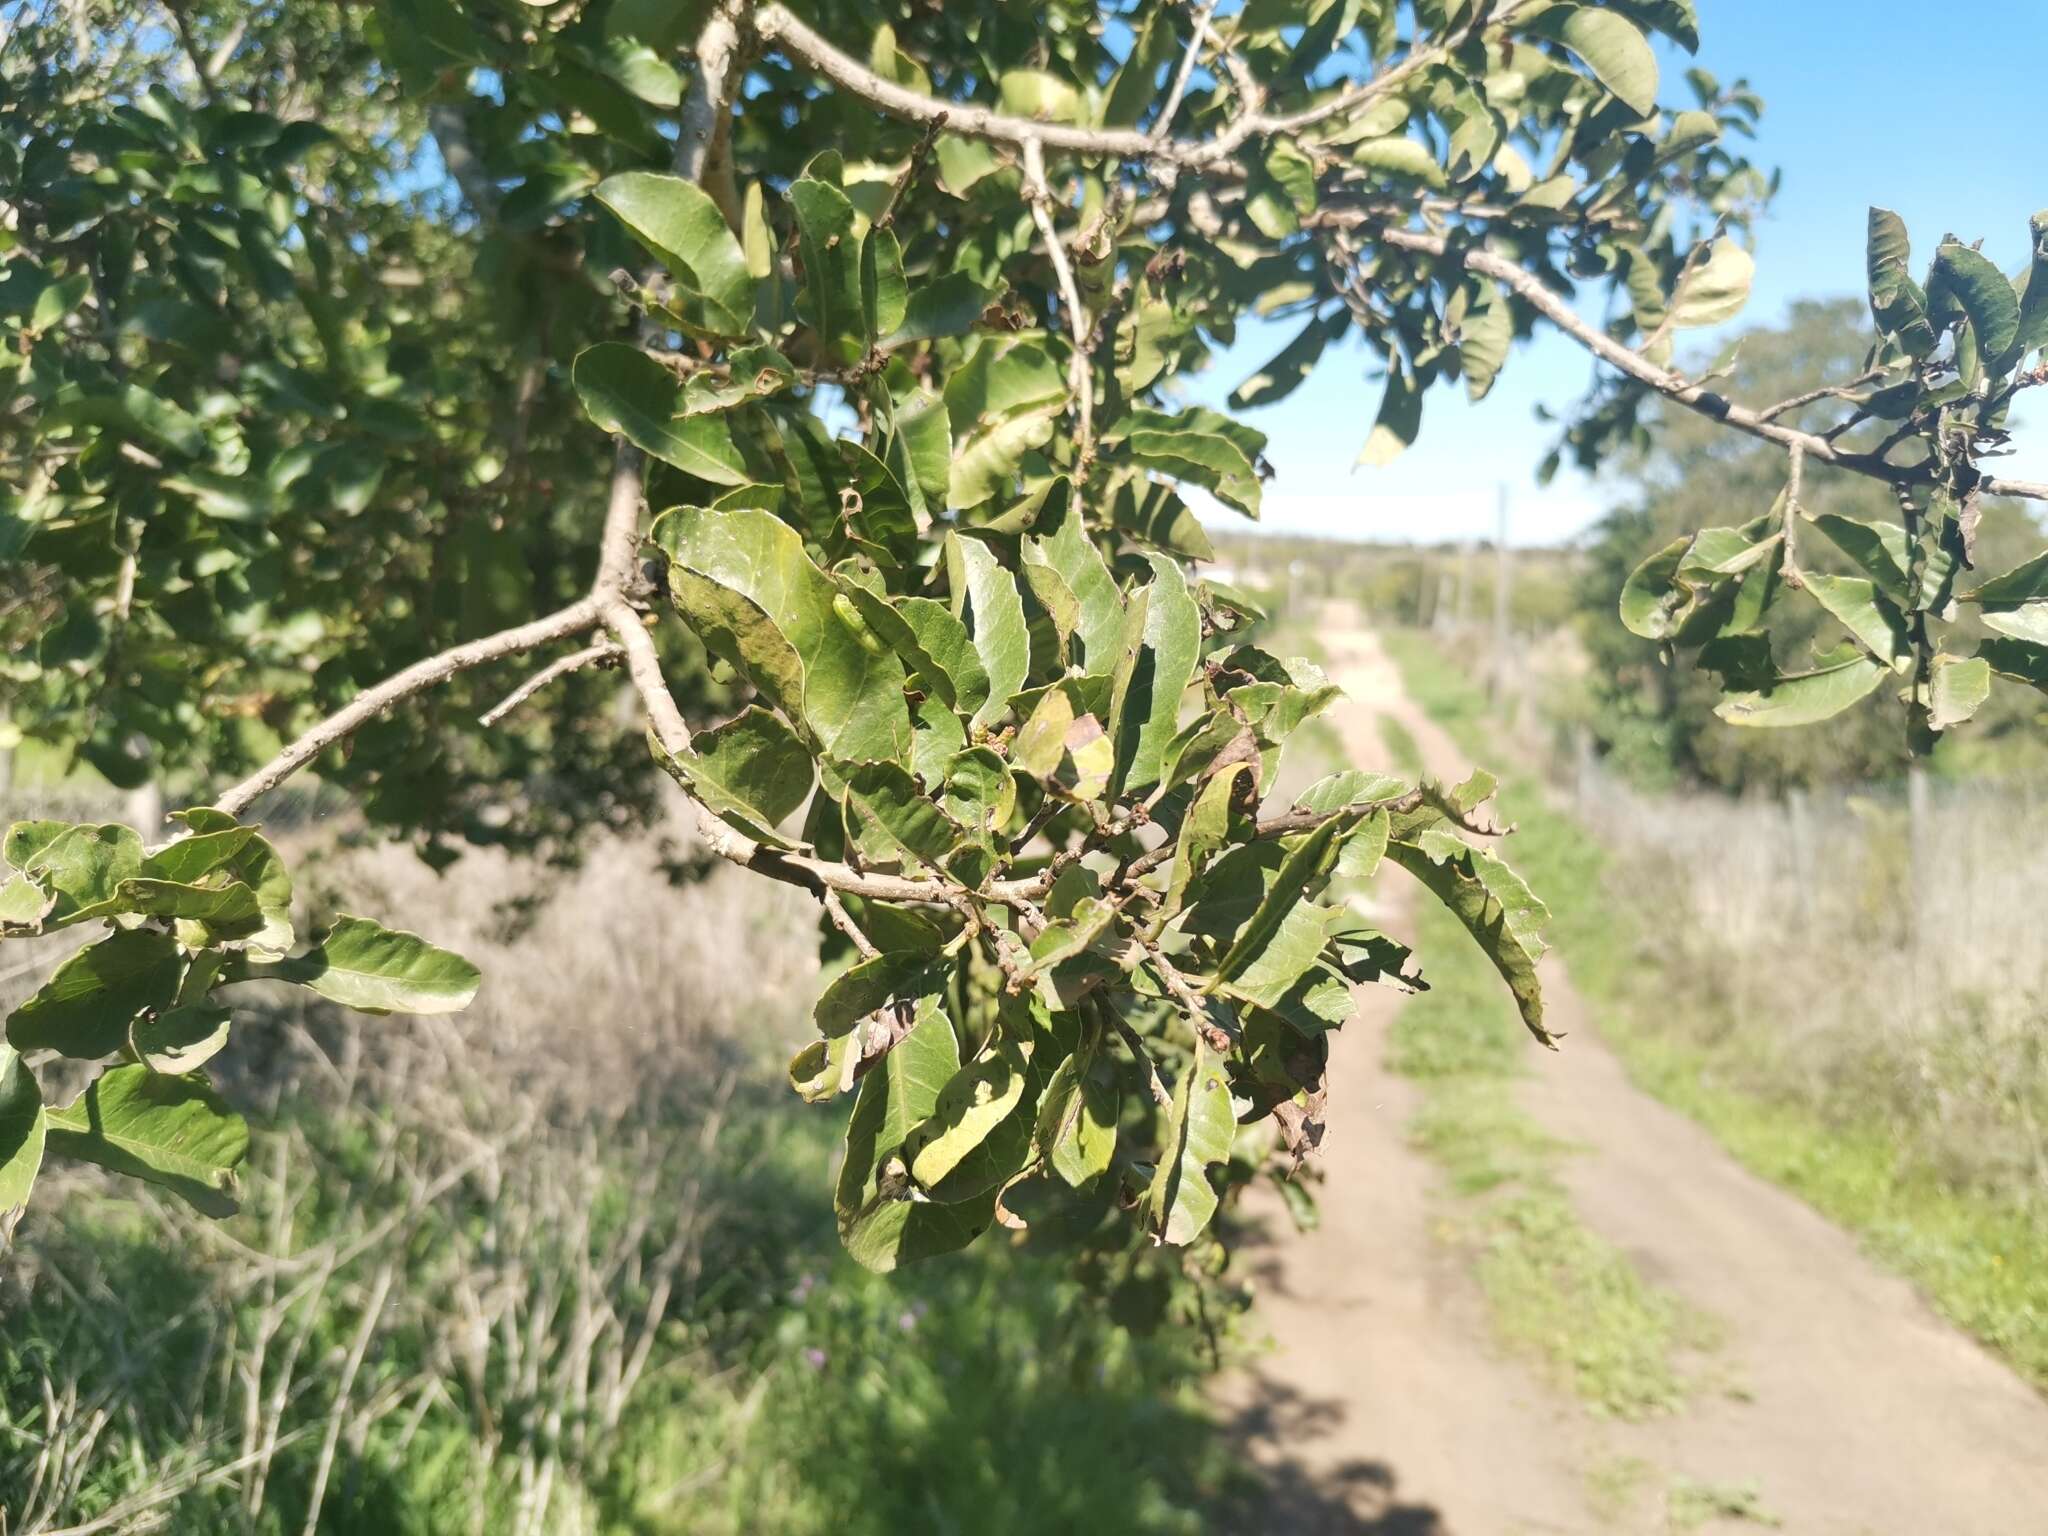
pixel 1385 1406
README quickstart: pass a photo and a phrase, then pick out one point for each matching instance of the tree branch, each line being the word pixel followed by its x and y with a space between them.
pixel 1080 372
pixel 578 618
pixel 1163 124
pixel 603 651
pixel 1695 397
pixel 774 23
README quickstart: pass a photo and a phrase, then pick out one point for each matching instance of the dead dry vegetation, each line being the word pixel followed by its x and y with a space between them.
pixel 1746 903
pixel 458 1249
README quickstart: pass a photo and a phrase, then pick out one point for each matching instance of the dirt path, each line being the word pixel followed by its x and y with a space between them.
pixel 1385 1407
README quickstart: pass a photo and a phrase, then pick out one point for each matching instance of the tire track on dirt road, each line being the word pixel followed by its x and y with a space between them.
pixel 1385 1408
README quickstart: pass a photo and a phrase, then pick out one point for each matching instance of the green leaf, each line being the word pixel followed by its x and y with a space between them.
pixel 679 223
pixel 623 390
pixel 640 70
pixel 888 796
pixel 171 1131
pixel 861 988
pixel 225 908
pixel 986 600
pixel 1399 155
pixel 1984 295
pixel 1613 47
pixel 1043 97
pixel 1200 446
pixel 1955 689
pixel 1486 336
pixel 1077 1118
pixel 374 969
pixel 78 870
pixel 978 1098
pixel 829 242
pixel 884 295
pixel 1059 544
pixel 2017 659
pixel 932 642
pixel 1309 862
pixel 1866 613
pixel 1805 698
pixel 1200 1128
pixel 1292 364
pixel 181 1039
pixel 1880 549
pixel 2033 329
pixel 1896 302
pixel 1002 402
pixel 1500 912
pixel 1159 650
pixel 22 1127
pixel 944 306
pixel 86 1006
pixel 880 1222
pixel 741 578
pixel 254 862
pixel 1714 290
pixel 751 772
pixel 1399 422
pixel 2024 583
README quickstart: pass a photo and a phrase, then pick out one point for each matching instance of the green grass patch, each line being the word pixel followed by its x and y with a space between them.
pixel 790 1392
pixel 1401 746
pixel 1982 1259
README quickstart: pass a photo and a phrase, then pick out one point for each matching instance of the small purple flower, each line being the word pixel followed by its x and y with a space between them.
pixel 907 1321
pixel 815 1358
pixel 805 1284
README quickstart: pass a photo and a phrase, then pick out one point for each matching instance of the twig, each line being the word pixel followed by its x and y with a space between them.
pixel 1556 309
pixel 1080 375
pixel 1826 392
pixel 1794 484
pixel 1136 1042
pixel 605 651
pixel 1191 1002
pixel 843 921
pixel 575 619
pixel 1163 124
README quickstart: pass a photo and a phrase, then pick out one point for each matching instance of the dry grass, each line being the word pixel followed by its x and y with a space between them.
pixel 460 1240
pixel 1870 968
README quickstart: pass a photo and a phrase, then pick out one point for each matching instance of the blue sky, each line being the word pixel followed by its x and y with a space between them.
pixel 1933 109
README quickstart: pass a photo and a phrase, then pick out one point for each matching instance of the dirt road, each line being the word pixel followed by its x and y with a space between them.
pixel 1385 1406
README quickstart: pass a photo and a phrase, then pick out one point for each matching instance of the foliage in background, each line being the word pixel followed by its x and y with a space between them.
pixel 1656 720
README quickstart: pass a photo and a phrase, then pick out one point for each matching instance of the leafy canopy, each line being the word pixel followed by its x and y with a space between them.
pixel 884 310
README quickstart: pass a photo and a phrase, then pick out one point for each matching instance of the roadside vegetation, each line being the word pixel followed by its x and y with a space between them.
pixel 1903 1099
pixel 566 1265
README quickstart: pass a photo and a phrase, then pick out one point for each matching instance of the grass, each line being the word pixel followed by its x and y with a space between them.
pixel 1555 1291
pixel 786 1391
pixel 1401 746
pixel 1979 1255
pixel 1690 1505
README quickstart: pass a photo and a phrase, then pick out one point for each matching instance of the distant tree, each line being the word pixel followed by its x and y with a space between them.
pixel 1657 718
pixel 324 323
